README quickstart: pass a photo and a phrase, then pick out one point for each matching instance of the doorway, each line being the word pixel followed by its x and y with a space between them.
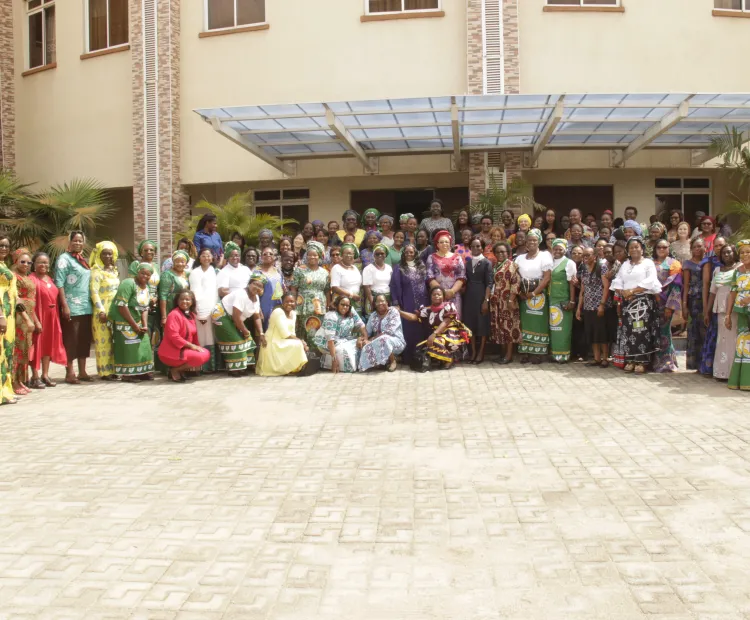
pixel 594 199
pixel 396 202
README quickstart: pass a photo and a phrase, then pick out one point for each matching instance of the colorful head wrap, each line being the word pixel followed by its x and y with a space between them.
pixel 440 234
pixel 477 218
pixel 405 217
pixel 19 253
pixel 386 218
pixel 536 234
pixel 143 267
pixel 638 239
pixel 350 246
pixel 380 246
pixel 317 246
pixel 265 231
pixel 182 253
pixel 258 276
pixel 658 226
pixel 607 212
pixel 560 241
pixel 635 226
pixel 231 246
pixel 373 233
pixel 317 223
pixel 147 242
pixel 370 211
pixel 96 254
pixel 524 218
pixel 743 243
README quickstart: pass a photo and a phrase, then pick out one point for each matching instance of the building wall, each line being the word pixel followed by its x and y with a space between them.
pixel 120 227
pixel 653 46
pixel 313 51
pixel 72 121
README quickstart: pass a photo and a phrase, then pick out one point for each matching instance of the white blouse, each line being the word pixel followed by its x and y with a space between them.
pixel 203 284
pixel 643 275
pixel 346 279
pixel 571 269
pixel 378 279
pixel 240 300
pixel 234 278
pixel 533 268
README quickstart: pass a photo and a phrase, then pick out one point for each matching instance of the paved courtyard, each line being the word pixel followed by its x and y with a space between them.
pixel 480 493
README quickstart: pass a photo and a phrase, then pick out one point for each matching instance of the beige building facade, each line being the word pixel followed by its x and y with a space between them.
pixel 109 89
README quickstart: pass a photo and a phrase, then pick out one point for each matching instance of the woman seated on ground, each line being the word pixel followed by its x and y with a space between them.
pixel 337 339
pixel 387 337
pixel 283 353
pixel 449 336
pixel 179 348
pixel 232 337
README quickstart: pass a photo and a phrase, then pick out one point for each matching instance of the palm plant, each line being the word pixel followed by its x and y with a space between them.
pixel 497 199
pixel 236 215
pixel 733 147
pixel 44 221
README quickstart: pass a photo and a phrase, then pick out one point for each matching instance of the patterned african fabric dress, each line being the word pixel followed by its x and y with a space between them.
pixel 270 299
pixel 237 349
pixel 706 367
pixel 409 293
pixel 312 287
pixel 8 295
pixel 696 332
pixel 721 286
pixel 670 275
pixel 132 351
pixel 49 342
pixel 153 291
pixel 505 322
pixel 387 339
pixel 24 347
pixel 560 320
pixel 447 270
pixel 344 332
pixel 739 376
pixel 535 311
pixel 449 345
pixel 104 285
pixel 282 354
pixel 170 284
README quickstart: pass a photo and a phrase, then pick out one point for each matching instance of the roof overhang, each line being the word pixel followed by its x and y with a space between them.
pixel 280 134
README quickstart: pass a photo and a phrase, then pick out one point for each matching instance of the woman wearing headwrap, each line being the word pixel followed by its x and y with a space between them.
pixel 350 221
pixel 284 353
pixel 409 293
pixel 386 337
pixel 636 283
pixel 171 283
pixel 234 276
pixel 346 279
pixel 631 228
pixel 448 270
pixel 233 338
pixel 721 287
pixel 265 240
pixel 437 221
pixel 73 279
pixel 26 321
pixel 376 278
pixel 409 225
pixel 147 251
pixel 476 299
pixel 8 298
pixel 372 237
pixel 656 232
pixel 669 302
pixel 535 269
pixel 505 324
pixel 202 281
pixel 182 244
pixel 562 292
pixel 317 225
pixel 312 292
pixel 739 301
pixel 105 281
pixel 340 337
pixel 707 267
pixel 370 219
pixel 128 313
pixel 386 230
pixel 524 225
pixel 273 290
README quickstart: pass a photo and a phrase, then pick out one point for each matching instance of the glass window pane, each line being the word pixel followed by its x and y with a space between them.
pixel 49 33
pixel 220 14
pixel 97 25
pixel 669 183
pixel 269 194
pixel 420 5
pixel 296 194
pixel 732 5
pixel 297 212
pixel 600 2
pixel 666 203
pixel 695 203
pixel 36 44
pixel 118 22
pixel 696 183
pixel 275 211
pixel 385 6
pixel 251 11
pixel 34 4
pixel 567 2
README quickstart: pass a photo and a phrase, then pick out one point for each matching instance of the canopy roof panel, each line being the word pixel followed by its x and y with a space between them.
pixel 481 123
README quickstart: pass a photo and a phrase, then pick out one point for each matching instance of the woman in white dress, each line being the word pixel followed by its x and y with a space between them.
pixel 234 276
pixel 346 280
pixel 376 278
pixel 721 286
pixel 202 281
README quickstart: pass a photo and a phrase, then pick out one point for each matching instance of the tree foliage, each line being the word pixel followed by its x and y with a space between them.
pixel 733 147
pixel 497 199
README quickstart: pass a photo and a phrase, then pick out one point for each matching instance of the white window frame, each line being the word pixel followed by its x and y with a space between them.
pixel 584 3
pixel 403 10
pixel 282 202
pixel 745 8
pixel 236 25
pixel 87 33
pixel 682 190
pixel 44 4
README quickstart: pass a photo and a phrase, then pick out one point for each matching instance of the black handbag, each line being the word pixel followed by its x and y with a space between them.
pixel 312 366
pixel 528 286
pixel 421 361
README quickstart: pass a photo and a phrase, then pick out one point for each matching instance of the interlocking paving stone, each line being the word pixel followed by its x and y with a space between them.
pixel 480 493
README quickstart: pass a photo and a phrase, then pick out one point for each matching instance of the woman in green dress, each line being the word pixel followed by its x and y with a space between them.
pixel 134 359
pixel 173 281
pixel 147 251
pixel 394 252
pixel 739 299
pixel 561 296
pixel 312 287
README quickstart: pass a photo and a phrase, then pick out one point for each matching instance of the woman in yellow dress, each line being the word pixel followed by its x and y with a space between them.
pixel 8 296
pixel 283 352
pixel 104 283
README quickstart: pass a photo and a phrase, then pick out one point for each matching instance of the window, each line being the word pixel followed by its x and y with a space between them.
pixel 107 23
pixel 233 13
pixel 400 6
pixel 732 5
pixel 688 196
pixel 284 203
pixel 583 2
pixel 41 15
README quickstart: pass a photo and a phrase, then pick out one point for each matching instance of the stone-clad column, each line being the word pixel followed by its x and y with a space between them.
pixel 7 87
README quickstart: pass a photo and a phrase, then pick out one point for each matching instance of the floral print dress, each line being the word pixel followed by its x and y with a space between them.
pixel 312 287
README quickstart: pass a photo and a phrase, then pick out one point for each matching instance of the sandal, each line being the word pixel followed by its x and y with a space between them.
pixel 37 384
pixel 640 369
pixel 604 364
pixel 48 382
pixel 537 360
pixel 72 381
pixel 593 363
pixel 85 378
pixel 524 359
pixel 392 366
pixel 629 367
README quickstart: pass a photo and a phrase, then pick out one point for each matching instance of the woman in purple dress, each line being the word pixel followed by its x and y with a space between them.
pixel 409 293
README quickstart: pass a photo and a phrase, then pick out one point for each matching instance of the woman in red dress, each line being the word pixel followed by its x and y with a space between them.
pixel 179 348
pixel 26 321
pixel 47 344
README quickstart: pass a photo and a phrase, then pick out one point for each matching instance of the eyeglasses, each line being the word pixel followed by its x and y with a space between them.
pixel 24 262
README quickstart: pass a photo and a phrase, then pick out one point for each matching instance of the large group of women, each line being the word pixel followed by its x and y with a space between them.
pixel 368 292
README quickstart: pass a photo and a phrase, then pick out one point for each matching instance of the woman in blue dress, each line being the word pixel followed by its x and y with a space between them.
pixel 409 293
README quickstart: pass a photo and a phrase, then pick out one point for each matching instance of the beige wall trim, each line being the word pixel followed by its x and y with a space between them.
pixel 583 9
pixel 725 13
pixel 219 33
pixel 52 65
pixel 7 88
pixel 106 52
pixel 406 15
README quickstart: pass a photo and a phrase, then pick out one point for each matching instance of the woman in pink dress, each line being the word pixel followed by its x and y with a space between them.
pixel 446 269
pixel 47 343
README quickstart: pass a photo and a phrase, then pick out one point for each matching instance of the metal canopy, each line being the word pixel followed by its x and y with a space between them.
pixel 626 123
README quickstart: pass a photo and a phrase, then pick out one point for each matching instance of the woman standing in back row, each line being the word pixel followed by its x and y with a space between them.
pixel 739 300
